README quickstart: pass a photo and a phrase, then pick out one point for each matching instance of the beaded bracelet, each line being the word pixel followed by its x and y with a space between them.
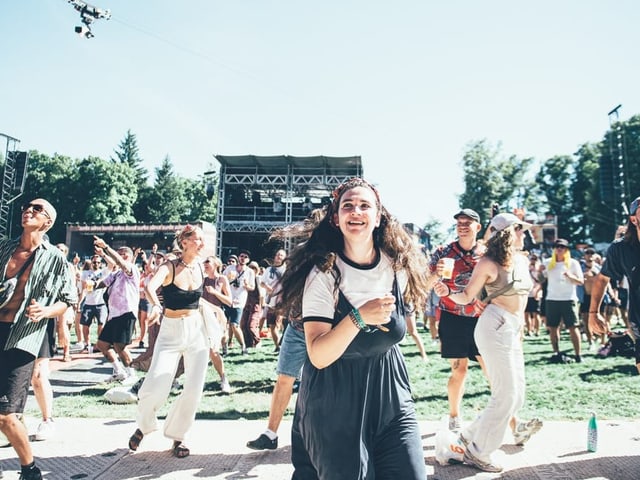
pixel 357 320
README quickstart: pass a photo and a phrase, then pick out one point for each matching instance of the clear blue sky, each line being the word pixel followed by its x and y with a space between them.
pixel 405 84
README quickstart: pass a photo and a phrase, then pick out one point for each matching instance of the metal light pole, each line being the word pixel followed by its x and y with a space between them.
pixel 616 149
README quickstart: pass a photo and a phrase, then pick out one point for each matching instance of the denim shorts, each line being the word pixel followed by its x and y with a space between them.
pixel 293 353
pixel 235 314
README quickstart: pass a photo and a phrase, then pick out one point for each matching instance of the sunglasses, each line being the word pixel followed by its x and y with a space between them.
pixel 36 207
pixel 206 261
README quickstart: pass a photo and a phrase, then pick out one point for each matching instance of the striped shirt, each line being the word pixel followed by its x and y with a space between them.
pixel 50 281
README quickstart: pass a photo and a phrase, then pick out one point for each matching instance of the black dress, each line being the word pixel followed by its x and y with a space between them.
pixel 355 419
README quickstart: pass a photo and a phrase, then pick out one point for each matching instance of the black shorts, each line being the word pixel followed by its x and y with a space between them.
pixel 456 336
pixel 565 311
pixel 48 347
pixel 533 305
pixel 16 368
pixel 118 329
pixel 89 312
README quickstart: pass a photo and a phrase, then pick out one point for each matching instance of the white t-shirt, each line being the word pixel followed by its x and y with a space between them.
pixel 239 293
pixel 560 287
pixel 95 296
pixel 358 284
pixel 271 277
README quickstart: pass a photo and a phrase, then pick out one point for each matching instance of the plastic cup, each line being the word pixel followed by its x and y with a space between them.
pixel 447 268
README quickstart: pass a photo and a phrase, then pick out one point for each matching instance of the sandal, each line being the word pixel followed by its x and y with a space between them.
pixel 180 450
pixel 135 439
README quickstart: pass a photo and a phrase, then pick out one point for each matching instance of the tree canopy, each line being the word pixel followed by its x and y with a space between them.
pixel 583 191
pixel 117 190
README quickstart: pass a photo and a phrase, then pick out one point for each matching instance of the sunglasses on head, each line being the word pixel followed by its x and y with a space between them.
pixel 36 207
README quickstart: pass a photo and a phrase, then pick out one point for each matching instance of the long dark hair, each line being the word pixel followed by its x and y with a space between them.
pixel 631 234
pixel 322 240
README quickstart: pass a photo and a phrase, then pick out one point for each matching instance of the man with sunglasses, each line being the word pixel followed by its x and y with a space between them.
pixel 622 260
pixel 457 322
pixel 44 289
pixel 563 275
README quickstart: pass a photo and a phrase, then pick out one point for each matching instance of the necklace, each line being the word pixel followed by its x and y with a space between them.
pixel 190 267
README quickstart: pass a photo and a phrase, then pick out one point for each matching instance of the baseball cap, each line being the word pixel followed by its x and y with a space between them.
pixel 561 242
pixel 467 212
pixel 505 220
pixel 633 208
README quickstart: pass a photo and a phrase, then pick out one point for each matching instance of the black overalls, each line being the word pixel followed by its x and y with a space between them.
pixel 355 419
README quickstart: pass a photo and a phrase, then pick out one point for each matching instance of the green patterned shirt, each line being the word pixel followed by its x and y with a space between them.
pixel 50 281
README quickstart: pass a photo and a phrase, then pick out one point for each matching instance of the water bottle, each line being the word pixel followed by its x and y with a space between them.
pixel 592 434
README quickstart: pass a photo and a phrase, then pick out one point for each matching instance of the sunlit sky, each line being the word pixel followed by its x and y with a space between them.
pixel 404 84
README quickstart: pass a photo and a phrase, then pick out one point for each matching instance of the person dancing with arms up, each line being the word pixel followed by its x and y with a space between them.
pixel 182 333
pixel 355 418
pixel 504 272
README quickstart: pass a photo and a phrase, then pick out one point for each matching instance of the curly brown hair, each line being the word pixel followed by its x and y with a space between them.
pixel 499 247
pixel 322 240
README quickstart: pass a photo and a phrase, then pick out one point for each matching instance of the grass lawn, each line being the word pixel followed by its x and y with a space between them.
pixel 607 386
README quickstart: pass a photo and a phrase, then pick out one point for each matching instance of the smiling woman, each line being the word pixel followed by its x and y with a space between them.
pixel 354 276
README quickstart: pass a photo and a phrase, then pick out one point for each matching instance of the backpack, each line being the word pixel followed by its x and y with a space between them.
pixel 620 344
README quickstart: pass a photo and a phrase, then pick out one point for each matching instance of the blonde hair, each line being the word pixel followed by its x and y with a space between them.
pixel 566 260
pixel 185 233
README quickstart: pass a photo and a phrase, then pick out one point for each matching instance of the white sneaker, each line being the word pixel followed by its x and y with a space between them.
pixel 455 424
pixel 78 346
pixel 224 386
pixel 524 430
pixel 118 377
pixel 131 378
pixel 46 430
pixel 449 449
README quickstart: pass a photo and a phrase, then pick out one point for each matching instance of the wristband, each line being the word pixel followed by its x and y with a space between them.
pixel 354 314
pixel 156 305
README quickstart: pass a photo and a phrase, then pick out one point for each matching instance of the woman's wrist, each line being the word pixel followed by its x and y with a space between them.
pixel 354 314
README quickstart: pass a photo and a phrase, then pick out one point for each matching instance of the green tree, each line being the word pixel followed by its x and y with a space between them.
pixel 585 192
pixel 113 191
pixel 54 179
pixel 129 153
pixel 491 178
pixel 168 198
pixel 437 231
pixel 555 180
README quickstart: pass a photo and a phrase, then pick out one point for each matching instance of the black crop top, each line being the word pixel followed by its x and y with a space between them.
pixel 175 298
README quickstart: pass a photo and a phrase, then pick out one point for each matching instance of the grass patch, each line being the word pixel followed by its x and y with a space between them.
pixel 554 392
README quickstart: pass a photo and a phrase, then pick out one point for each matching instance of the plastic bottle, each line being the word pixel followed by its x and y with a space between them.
pixel 592 434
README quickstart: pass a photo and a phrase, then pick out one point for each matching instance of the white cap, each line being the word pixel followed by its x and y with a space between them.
pixel 505 220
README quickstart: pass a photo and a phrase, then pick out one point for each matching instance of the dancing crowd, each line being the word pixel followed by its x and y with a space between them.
pixel 336 307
